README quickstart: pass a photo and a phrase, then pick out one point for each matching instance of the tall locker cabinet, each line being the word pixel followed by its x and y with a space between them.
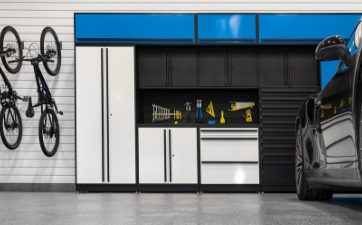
pixel 105 118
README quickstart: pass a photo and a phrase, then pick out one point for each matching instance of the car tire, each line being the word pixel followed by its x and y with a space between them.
pixel 304 192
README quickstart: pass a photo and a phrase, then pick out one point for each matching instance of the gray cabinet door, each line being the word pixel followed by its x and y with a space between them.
pixel 183 69
pixel 243 69
pixel 212 68
pixel 272 69
pixel 152 68
pixel 303 69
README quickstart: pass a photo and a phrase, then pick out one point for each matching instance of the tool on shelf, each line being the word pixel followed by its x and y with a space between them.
pixel 199 111
pixel 160 113
pixel 248 117
pixel 222 119
pixel 236 106
pixel 210 109
pixel 188 110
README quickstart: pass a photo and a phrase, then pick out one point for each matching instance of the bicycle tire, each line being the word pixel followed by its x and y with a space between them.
pixel 49 45
pixel 47 133
pixel 9 127
pixel 12 40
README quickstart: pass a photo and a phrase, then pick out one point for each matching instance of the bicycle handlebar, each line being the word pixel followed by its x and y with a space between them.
pixel 37 59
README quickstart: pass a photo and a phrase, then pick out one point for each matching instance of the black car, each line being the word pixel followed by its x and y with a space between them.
pixel 328 124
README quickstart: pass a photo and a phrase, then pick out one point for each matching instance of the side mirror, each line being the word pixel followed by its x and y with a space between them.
pixel 332 48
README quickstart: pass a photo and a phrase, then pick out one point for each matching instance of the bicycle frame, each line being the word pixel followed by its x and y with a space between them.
pixel 44 95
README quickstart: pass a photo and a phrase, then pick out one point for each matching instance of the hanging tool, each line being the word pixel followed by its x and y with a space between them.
pixel 199 111
pixel 236 106
pixel 188 110
pixel 222 119
pixel 160 114
pixel 210 109
pixel 248 117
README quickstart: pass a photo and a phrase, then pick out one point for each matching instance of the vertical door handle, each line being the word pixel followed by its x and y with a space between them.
pixel 102 95
pixel 170 152
pixel 164 152
pixel 107 114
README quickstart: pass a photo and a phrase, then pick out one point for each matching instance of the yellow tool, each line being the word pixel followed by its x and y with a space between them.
pixel 342 103
pixel 210 109
pixel 248 117
pixel 235 106
pixel 177 114
pixel 222 119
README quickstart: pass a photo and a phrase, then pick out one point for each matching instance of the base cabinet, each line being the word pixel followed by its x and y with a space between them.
pixel 229 155
pixel 167 155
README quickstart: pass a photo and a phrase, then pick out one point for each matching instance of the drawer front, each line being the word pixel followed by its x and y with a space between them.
pixel 229 150
pixel 210 133
pixel 229 144
pixel 229 173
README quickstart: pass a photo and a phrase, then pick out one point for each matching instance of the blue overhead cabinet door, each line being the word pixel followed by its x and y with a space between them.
pixel 304 28
pixel 134 28
pixel 226 29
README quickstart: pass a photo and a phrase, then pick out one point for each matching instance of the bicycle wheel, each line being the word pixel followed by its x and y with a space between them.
pixel 49 132
pixel 9 39
pixel 50 47
pixel 11 126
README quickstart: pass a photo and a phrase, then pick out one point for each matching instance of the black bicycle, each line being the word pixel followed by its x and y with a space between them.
pixel 48 124
pixel 48 129
pixel 10 121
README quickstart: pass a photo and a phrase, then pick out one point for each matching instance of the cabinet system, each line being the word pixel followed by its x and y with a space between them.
pixel 167 155
pixel 105 115
pixel 158 68
pixel 229 155
pixel 288 68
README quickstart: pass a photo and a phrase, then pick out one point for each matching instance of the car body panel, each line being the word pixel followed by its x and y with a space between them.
pixel 330 123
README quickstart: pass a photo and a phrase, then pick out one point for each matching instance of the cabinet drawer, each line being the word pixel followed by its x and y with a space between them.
pixel 229 150
pixel 229 173
pixel 229 144
pixel 228 133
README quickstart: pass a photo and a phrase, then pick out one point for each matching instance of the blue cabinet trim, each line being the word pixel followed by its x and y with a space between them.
pixel 134 28
pixel 304 28
pixel 226 28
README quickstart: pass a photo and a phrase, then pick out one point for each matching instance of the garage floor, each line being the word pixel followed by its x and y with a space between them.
pixel 145 208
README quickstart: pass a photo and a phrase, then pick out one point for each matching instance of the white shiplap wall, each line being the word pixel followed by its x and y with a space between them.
pixel 27 164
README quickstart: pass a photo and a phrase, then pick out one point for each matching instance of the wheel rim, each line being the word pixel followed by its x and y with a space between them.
pixel 11 126
pixel 50 49
pixel 298 161
pixel 49 131
pixel 11 42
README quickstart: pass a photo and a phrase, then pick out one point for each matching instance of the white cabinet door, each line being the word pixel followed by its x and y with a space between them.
pixel 121 114
pixel 183 143
pixel 153 155
pixel 89 114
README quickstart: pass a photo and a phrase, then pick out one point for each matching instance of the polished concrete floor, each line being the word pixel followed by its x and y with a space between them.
pixel 71 208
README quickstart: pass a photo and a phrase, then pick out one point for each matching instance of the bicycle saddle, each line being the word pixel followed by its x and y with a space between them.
pixel 30 111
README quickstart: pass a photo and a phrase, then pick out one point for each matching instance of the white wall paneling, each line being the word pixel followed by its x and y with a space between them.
pixel 29 18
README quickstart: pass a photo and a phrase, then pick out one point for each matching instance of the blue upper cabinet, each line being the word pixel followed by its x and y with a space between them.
pixel 134 28
pixel 226 29
pixel 304 28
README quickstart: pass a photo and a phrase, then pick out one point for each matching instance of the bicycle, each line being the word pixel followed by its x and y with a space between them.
pixel 10 120
pixel 48 129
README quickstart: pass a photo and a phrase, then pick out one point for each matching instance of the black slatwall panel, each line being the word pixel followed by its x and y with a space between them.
pixel 278 110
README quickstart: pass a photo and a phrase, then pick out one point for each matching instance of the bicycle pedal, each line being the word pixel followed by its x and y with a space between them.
pixel 60 113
